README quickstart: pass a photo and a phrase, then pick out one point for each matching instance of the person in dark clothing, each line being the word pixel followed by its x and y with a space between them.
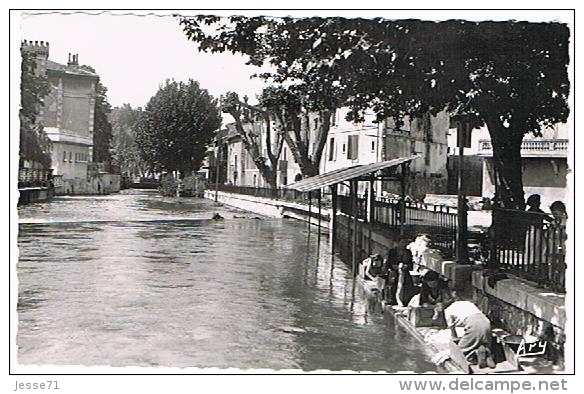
pixel 398 255
pixel 434 290
pixel 405 289
pixel 534 224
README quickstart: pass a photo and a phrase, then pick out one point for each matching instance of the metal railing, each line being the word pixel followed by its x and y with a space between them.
pixel 530 245
pixel 278 194
pixel 438 221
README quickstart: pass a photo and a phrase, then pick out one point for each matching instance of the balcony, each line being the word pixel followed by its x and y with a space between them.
pixel 532 148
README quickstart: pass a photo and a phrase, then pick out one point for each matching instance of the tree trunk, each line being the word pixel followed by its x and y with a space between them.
pixel 507 167
pixel 507 226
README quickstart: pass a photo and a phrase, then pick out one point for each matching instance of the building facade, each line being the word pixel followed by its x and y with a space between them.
pixel 68 119
pixel 545 166
pixel 426 136
pixel 349 144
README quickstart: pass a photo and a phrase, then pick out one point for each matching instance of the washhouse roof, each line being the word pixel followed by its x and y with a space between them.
pixel 356 172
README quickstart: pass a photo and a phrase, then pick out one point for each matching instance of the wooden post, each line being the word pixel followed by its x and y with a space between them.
pixel 355 223
pixel 461 230
pixel 319 213
pixel 402 203
pixel 371 214
pixel 309 210
pixel 333 219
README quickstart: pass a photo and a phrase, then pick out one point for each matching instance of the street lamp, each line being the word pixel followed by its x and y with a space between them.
pixel 217 170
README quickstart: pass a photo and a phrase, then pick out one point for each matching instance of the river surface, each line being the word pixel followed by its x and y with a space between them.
pixel 136 279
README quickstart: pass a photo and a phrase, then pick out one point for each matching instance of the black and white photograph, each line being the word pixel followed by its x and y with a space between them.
pixel 292 192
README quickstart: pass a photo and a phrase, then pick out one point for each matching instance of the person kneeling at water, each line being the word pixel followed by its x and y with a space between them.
pixel 475 342
pixel 374 267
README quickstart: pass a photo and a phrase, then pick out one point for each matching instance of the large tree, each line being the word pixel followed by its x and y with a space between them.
pixel 295 92
pixel 246 115
pixel 34 144
pixel 179 122
pixel 511 76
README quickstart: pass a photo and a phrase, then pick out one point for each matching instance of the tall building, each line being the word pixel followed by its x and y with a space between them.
pixel 426 136
pixel 68 119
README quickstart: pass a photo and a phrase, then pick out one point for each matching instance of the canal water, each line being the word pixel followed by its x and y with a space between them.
pixel 136 279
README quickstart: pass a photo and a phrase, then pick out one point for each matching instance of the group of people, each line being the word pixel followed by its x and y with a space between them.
pixel 398 288
pixel 545 235
pixel 392 274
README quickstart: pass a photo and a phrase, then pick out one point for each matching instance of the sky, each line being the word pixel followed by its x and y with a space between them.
pixel 133 54
pixel 136 51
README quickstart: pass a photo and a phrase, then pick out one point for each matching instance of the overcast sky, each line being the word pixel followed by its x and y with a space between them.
pixel 134 54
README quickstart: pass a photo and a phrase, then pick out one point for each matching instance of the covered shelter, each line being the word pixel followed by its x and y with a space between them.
pixel 350 176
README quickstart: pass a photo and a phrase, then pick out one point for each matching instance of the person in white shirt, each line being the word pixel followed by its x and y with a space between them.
pixel 476 338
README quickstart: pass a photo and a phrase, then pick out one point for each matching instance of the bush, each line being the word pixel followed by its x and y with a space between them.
pixel 191 186
pixel 168 185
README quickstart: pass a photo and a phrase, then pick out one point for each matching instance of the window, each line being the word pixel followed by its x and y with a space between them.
pixel 344 148
pixel 331 149
pixel 353 148
pixel 64 156
pixel 70 157
pixel 316 123
pixel 284 154
pixel 372 146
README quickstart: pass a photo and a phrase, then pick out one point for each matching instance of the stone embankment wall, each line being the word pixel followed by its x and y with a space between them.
pixel 98 184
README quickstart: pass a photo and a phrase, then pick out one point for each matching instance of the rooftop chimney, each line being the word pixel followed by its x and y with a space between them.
pixel 73 60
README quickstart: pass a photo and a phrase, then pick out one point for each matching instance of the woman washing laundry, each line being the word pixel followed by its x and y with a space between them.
pixel 475 342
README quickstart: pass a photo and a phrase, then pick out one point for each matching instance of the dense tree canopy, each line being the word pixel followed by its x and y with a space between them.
pixel 125 120
pixel 179 122
pixel 294 90
pixel 34 144
pixel 511 76
pixel 102 128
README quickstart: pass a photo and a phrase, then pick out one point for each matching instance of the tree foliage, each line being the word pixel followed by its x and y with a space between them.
pixel 102 128
pixel 511 76
pixel 250 115
pixel 179 122
pixel 125 153
pixel 295 90
pixel 34 144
